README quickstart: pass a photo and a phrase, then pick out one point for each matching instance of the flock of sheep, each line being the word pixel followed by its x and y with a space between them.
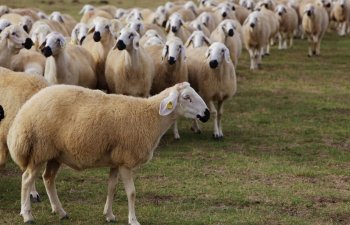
pixel 172 61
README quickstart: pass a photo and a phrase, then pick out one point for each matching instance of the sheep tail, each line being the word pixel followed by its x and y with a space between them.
pixel 2 113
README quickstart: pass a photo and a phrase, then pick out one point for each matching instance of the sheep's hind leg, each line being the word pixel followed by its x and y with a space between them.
pixel 126 175
pixel 34 195
pixel 112 183
pixel 49 176
pixel 28 179
pixel 220 112
pixel 195 127
pixel 176 131
pixel 214 114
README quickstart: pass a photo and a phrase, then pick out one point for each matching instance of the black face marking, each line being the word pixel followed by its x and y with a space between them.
pixel 2 113
pixel 97 36
pixel 47 51
pixel 121 45
pixel 206 116
pixel 28 43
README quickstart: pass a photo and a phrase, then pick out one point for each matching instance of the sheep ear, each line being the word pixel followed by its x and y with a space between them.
pixel 62 43
pixel 42 45
pixel 168 104
pixel 189 41
pixel 135 42
pixel 164 52
pixel 207 53
pixel 167 26
pixel 183 53
pixel 91 30
pixel 182 22
pixel 227 56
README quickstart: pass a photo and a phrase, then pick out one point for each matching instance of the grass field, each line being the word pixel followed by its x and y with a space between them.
pixel 285 158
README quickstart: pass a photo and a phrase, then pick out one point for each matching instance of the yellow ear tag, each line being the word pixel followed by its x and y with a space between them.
pixel 169 105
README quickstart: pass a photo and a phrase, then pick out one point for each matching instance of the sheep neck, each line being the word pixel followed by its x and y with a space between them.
pixel 132 60
pixel 62 59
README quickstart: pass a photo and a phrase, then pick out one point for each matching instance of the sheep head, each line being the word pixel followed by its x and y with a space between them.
pixel 228 27
pixel 53 44
pixel 101 27
pixel 174 23
pixel 198 39
pixel 138 26
pixel 39 33
pixel 128 39
pixel 16 37
pixel 79 33
pixel 3 24
pixel 217 54
pixel 172 50
pixel 184 100
pixel 159 16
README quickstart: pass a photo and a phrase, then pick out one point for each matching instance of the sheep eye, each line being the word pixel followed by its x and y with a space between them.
pixel 13 33
pixel 107 27
pixel 131 35
pixel 187 97
pixel 223 50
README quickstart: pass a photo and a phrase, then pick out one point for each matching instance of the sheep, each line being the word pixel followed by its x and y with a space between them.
pixel 3 24
pixel 142 27
pixel 13 39
pixel 65 19
pixel 38 34
pixel 129 70
pixel 315 24
pixel 89 13
pixel 15 89
pixel 4 9
pixel 223 11
pixel 341 14
pixel 154 35
pixel 24 21
pixel 29 61
pixel 256 34
pixel 121 13
pixel 159 17
pixel 228 34
pixel 197 39
pixel 61 63
pixel 197 25
pixel 288 20
pixel 208 20
pixel 248 4
pixel 213 76
pixel 79 33
pixel 174 27
pixel 68 128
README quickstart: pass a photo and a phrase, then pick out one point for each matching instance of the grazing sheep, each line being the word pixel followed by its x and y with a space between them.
pixel 85 128
pixel 15 89
pixel 197 39
pixel 171 72
pixel 129 69
pixel 315 24
pixel 288 20
pixel 67 64
pixel 13 39
pixel 256 34
pixel 174 27
pixel 341 14
pixel 212 74
pixel 79 33
pixel 227 33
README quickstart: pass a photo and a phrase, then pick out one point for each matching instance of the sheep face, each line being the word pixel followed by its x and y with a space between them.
pixel 309 10
pixel 223 10
pixel 184 101
pixel 280 10
pixel 56 16
pixel 204 18
pixel 79 33
pixel 252 19
pixel 169 5
pixel 128 39
pixel 197 39
pixel 228 28
pixel 248 4
pixel 3 24
pixel 39 34
pixel 101 29
pixel 174 23
pixel 135 14
pixel 138 26
pixel 172 50
pixel 27 23
pixel 86 9
pixel 53 44
pixel 120 13
pixel 4 10
pixel 191 6
pixel 159 17
pixel 17 37
pixel 216 54
pixel 42 15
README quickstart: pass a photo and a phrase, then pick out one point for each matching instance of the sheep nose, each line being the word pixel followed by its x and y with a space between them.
pixel 174 29
pixel 280 14
pixel 47 51
pixel 329 5
pixel 252 25
pixel 309 13
pixel 121 45
pixel 97 36
pixel 164 23
pixel 81 40
pixel 28 43
pixel 213 64
pixel 230 33
pixel 25 27
pixel 171 60
pixel 206 116
pixel 224 14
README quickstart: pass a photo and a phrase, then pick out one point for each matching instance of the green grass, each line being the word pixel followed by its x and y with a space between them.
pixel 285 157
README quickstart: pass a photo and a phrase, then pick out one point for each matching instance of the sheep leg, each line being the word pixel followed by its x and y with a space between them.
pixel 3 155
pixel 280 39
pixel 342 31
pixel 291 40
pixel 34 195
pixel 220 112
pixel 176 131
pixel 126 175
pixel 214 113
pixel 195 127
pixel 28 179
pixel 112 183
pixel 252 59
pixel 258 58
pixel 318 47
pixel 49 176
pixel 310 47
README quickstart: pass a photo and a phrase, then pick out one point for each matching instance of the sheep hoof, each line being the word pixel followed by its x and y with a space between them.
pixel 267 54
pixel 308 55
pixel 35 198
pixel 29 222
pixel 111 220
pixel 65 217
pixel 217 136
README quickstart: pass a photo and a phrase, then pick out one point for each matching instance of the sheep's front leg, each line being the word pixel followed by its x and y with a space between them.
pixel 310 46
pixel 176 131
pixel 214 113
pixel 252 59
pixel 342 31
pixel 34 195
pixel 126 175
pixel 28 179
pixel 280 40
pixel 112 183
pixel 195 127
pixel 220 112
pixel 49 176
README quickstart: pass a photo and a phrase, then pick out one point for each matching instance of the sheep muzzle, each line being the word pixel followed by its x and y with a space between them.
pixel 252 25
pixel 224 14
pixel 231 33
pixel 121 45
pixel 171 60
pixel 206 116
pixel 47 51
pixel 97 36
pixel 213 64
pixel 28 43
pixel 174 29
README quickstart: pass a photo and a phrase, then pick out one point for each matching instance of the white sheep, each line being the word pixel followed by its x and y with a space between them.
pixel 152 37
pixel 288 19
pixel 85 128
pixel 15 18
pixel 174 27
pixel 89 13
pixel 212 74
pixel 197 25
pixel 3 24
pixel 15 89
pixel 67 64
pixel 209 20
pixel 65 19
pixel 341 14
pixel 256 34
pixel 229 32
pixel 129 69
pixel 79 33
pixel 315 24
pixel 224 11
pixel 38 34
pixel 197 39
